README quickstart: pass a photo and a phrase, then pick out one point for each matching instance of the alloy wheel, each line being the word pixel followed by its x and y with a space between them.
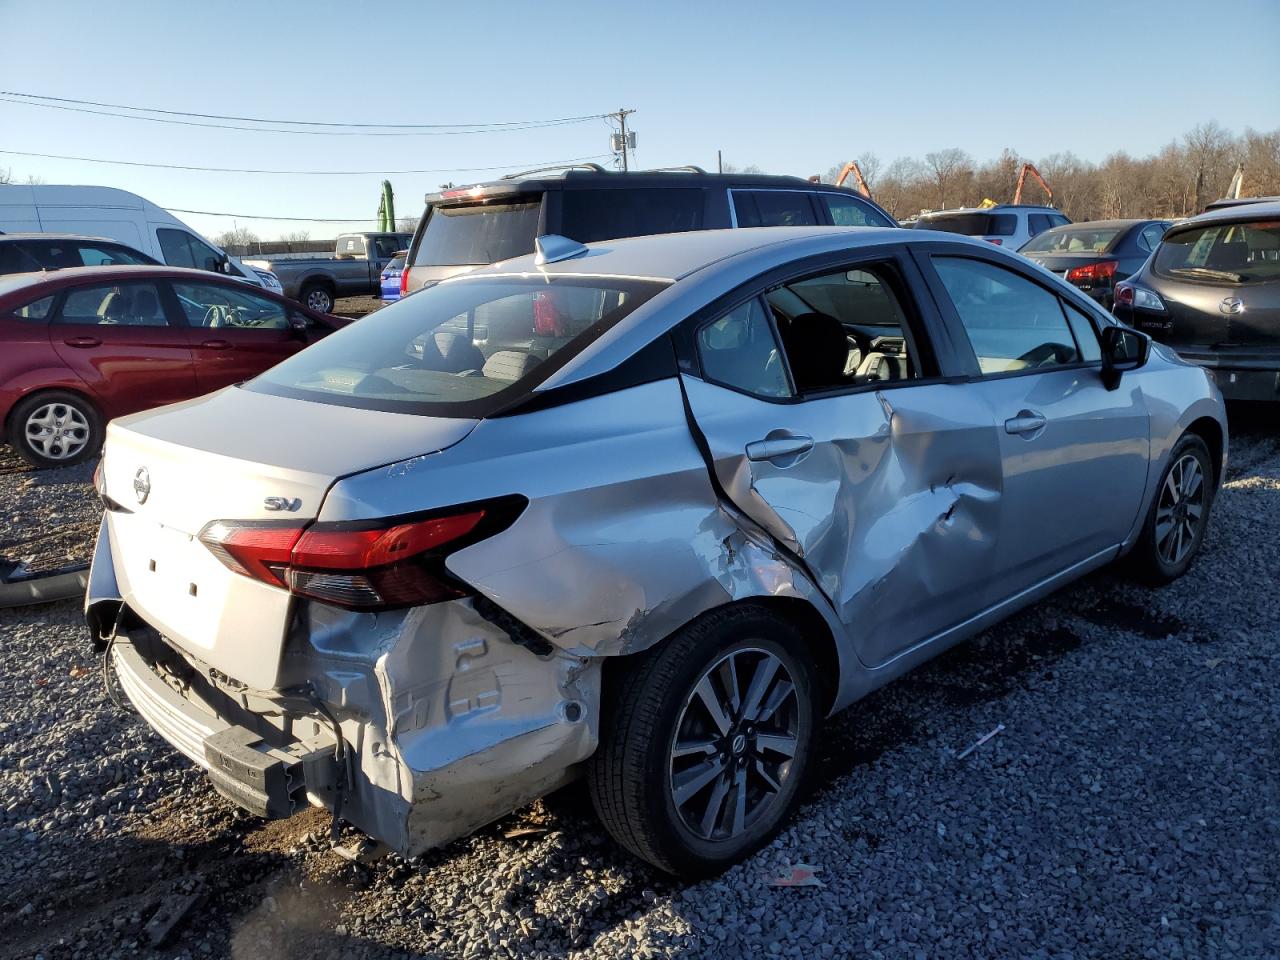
pixel 734 744
pixel 57 431
pixel 319 301
pixel 1181 509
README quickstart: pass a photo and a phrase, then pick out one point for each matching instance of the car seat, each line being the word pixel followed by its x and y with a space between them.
pixel 817 348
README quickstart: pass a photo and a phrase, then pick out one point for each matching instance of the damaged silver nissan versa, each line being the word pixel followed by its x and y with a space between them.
pixel 644 511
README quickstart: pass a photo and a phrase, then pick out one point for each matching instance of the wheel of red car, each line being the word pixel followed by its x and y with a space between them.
pixel 318 297
pixel 55 428
pixel 704 741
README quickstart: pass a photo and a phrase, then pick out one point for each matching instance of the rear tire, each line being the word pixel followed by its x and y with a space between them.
pixel 55 428
pixel 705 741
pixel 318 296
pixel 1179 515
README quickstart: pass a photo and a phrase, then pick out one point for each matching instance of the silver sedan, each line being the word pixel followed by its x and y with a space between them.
pixel 645 511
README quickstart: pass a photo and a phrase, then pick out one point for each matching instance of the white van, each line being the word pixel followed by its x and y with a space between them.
pixel 119 215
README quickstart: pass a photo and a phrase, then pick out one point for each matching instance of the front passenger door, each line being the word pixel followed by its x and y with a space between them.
pixel 828 425
pixel 1074 453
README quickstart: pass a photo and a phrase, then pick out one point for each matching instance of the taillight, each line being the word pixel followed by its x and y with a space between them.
pixel 404 281
pixel 1131 295
pixel 995 240
pixel 1093 272
pixel 362 564
pixel 1124 294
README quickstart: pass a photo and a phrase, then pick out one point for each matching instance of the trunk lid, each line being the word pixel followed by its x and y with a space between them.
pixel 234 455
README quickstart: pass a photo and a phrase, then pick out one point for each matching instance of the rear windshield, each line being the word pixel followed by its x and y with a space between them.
pixel 396 264
pixel 590 215
pixel 1072 240
pixel 477 233
pixel 1222 253
pixel 972 224
pixel 463 348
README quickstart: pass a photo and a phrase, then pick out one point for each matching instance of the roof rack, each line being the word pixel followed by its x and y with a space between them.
pixel 594 167
pixel 686 168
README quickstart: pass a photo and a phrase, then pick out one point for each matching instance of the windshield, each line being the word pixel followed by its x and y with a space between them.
pixel 463 348
pixel 1072 240
pixel 1222 252
pixel 477 233
pixel 971 224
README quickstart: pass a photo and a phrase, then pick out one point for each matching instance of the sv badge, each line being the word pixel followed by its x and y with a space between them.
pixel 282 503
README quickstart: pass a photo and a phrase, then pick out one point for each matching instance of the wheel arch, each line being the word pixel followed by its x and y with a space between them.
pixel 1210 431
pixel 78 390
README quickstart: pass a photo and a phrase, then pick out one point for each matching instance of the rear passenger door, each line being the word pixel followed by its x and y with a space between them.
pixel 119 339
pixel 234 334
pixel 1074 453
pixel 828 423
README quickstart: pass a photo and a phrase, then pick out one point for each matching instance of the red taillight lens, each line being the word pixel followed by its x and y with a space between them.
pixel 1093 272
pixel 404 280
pixel 363 565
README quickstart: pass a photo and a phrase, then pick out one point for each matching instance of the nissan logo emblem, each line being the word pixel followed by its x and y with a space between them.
pixel 1231 306
pixel 142 484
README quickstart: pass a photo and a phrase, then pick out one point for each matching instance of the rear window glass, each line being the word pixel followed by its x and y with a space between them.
pixel 463 348
pixel 1222 253
pixel 590 215
pixel 396 264
pixel 773 208
pixel 971 224
pixel 1072 240
pixel 478 233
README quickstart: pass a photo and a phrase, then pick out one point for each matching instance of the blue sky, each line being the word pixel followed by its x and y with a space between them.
pixel 793 88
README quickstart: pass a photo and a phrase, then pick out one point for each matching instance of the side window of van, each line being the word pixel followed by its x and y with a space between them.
pixel 181 249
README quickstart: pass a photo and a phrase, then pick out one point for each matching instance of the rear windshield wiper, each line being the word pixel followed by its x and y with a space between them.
pixel 1209 273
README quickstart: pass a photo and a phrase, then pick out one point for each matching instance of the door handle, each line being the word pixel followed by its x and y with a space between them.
pixel 1027 421
pixel 82 342
pixel 217 344
pixel 777 448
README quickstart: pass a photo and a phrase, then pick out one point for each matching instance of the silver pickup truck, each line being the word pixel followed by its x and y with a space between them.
pixel 352 271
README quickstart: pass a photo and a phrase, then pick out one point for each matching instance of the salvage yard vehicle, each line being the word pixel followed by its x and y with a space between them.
pixel 354 269
pixel 30 252
pixel 85 344
pixel 471 226
pixel 645 510
pixel 1211 291
pixel 390 277
pixel 1098 254
pixel 1005 225
pixel 123 216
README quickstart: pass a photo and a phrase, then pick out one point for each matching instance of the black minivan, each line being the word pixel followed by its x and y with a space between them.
pixel 1211 291
pixel 467 227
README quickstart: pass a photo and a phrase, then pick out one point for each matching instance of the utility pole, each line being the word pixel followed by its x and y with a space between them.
pixel 621 117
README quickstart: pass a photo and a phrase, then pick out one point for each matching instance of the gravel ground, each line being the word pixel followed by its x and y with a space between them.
pixel 1130 808
pixel 47 522
pixel 357 306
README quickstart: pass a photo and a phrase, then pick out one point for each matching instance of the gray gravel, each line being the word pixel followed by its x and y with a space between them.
pixel 47 522
pixel 1130 808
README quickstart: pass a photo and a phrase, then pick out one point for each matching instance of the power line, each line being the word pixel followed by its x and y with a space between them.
pixel 299 173
pixel 435 131
pixel 251 216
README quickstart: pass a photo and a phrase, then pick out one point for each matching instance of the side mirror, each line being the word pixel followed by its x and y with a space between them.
pixel 1122 349
pixel 298 324
pixel 226 266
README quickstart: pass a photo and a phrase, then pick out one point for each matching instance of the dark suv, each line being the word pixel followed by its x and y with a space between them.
pixel 33 252
pixel 1211 291
pixel 472 226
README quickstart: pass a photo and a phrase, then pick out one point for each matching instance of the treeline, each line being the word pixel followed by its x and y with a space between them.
pixel 1175 182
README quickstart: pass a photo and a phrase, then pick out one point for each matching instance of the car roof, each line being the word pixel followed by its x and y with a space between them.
pixel 67 276
pixel 1262 210
pixel 61 236
pixel 1102 224
pixel 998 206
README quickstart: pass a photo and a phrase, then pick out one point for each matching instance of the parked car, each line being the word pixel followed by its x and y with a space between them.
pixel 30 252
pixel 123 216
pixel 1212 291
pixel 390 289
pixel 1236 202
pixel 1097 254
pixel 354 269
pixel 1005 225
pixel 647 510
pixel 82 345
pixel 468 227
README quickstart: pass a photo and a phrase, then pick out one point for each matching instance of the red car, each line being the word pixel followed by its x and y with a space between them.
pixel 83 345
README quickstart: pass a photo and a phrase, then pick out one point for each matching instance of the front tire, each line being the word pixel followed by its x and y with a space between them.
pixel 1179 515
pixel 55 428
pixel 318 297
pixel 705 741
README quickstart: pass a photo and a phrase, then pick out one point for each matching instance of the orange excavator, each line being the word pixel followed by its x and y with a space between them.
pixel 1030 168
pixel 852 168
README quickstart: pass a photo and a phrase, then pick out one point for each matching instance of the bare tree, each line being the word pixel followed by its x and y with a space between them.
pixel 1210 155
pixel 6 175
pixel 296 236
pixel 236 237
pixel 734 168
pixel 407 224
pixel 947 168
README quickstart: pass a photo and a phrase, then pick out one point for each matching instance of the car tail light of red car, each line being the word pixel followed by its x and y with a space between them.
pixel 1093 272
pixel 404 280
pixel 361 564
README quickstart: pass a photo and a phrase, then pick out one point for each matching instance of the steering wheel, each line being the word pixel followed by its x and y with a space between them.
pixel 213 317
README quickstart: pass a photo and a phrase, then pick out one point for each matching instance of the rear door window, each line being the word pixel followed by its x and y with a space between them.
pixel 478 233
pixel 591 215
pixel 1038 223
pixel 1152 234
pixel 1013 325
pixel 774 208
pixel 123 304
pixel 850 212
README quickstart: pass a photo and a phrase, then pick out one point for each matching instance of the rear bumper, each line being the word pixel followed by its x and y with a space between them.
pixel 1240 377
